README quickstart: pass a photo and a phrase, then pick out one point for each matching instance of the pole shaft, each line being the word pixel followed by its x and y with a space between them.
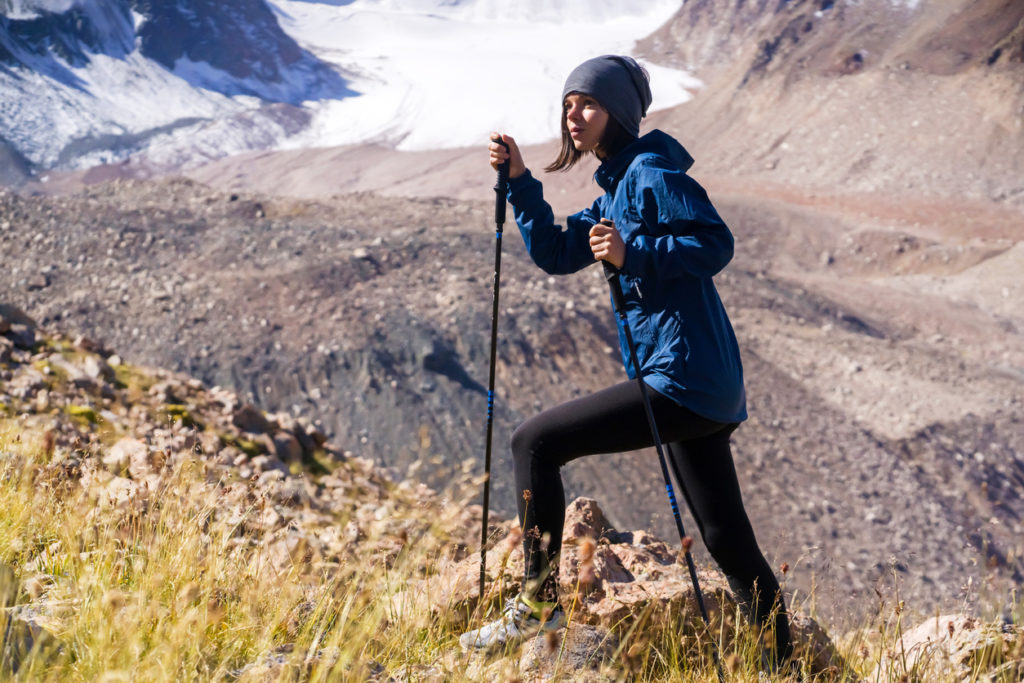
pixel 490 410
pixel 500 191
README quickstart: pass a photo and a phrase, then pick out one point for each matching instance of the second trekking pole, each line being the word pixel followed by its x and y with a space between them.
pixel 611 274
pixel 500 191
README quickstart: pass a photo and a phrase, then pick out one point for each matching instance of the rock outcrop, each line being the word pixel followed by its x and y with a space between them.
pixel 608 580
pixel 121 432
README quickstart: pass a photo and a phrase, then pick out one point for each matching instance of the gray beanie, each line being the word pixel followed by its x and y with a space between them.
pixel 618 83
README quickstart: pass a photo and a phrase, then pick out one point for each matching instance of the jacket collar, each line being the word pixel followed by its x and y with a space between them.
pixel 610 172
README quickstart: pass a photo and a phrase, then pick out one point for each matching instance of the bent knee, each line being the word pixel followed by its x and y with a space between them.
pixel 530 441
pixel 525 441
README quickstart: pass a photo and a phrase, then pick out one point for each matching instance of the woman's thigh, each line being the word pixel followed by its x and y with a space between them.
pixel 611 420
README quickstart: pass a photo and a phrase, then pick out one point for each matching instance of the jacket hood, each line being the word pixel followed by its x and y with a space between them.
pixel 657 143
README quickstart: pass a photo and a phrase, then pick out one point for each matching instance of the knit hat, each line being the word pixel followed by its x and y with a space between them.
pixel 618 83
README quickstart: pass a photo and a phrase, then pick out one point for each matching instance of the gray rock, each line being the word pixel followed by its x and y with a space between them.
pixel 26 384
pixel 955 647
pixel 12 315
pixel 97 368
pixel 24 635
pixel 268 463
pixel 119 456
pixel 290 492
pixel 287 448
pixel 573 653
pixel 251 419
pixel 23 336
pixel 281 664
pixel 37 282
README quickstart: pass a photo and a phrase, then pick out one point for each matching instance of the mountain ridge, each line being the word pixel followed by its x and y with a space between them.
pixel 108 79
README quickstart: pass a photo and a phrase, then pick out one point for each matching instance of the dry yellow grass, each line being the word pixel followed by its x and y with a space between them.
pixel 162 586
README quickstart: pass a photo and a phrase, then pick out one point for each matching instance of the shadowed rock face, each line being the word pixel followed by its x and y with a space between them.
pixel 103 27
pixel 241 43
pixel 242 39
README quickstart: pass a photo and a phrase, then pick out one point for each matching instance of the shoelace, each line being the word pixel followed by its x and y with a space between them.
pixel 516 610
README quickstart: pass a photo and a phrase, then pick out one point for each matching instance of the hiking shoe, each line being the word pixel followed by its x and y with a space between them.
pixel 518 621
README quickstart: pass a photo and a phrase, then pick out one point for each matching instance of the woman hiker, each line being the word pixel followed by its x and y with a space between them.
pixel 656 225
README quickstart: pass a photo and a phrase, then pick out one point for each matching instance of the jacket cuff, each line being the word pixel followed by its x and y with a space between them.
pixel 516 185
pixel 635 257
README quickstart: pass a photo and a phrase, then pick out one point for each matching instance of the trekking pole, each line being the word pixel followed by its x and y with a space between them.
pixel 500 190
pixel 611 275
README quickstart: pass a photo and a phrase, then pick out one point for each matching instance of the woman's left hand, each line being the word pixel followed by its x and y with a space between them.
pixel 607 244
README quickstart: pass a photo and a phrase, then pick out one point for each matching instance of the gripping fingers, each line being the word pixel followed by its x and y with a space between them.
pixel 605 243
pixel 498 156
pixel 499 150
pixel 497 153
pixel 599 245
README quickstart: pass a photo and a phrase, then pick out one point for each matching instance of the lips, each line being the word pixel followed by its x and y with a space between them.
pixel 574 132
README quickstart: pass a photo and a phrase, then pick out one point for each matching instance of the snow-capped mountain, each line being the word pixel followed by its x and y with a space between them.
pixel 178 82
pixel 87 82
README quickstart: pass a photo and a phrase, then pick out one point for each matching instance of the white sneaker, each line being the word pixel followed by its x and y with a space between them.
pixel 516 623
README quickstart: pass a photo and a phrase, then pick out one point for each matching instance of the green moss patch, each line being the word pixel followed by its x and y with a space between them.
pixel 83 413
pixel 177 412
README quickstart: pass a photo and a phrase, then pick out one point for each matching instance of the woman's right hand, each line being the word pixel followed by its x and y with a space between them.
pixel 516 167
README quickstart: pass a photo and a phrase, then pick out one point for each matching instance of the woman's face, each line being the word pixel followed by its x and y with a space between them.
pixel 586 121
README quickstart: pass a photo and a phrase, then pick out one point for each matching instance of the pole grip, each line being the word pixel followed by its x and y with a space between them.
pixel 501 187
pixel 611 274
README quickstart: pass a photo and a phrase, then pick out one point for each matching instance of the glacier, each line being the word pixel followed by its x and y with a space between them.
pixel 408 74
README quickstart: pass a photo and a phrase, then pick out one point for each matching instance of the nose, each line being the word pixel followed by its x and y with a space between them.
pixel 573 113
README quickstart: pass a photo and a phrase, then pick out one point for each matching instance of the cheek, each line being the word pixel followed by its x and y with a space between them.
pixel 598 122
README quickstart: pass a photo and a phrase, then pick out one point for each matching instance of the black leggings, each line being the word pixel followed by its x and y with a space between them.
pixel 613 420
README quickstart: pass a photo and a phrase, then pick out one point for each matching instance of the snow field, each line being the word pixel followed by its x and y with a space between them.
pixel 446 74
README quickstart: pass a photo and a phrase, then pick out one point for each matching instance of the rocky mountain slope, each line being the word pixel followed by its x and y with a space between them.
pixel 875 291
pixel 121 432
pixel 211 527
pixel 884 442
pixel 877 96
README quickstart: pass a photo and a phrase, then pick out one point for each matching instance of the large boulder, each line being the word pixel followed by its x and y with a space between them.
pixel 610 578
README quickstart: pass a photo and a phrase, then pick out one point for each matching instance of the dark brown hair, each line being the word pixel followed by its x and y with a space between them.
pixel 614 138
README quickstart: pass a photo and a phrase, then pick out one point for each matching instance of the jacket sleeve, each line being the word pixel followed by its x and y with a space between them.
pixel 555 250
pixel 684 234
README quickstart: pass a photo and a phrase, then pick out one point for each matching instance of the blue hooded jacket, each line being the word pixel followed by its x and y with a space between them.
pixel 675 242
